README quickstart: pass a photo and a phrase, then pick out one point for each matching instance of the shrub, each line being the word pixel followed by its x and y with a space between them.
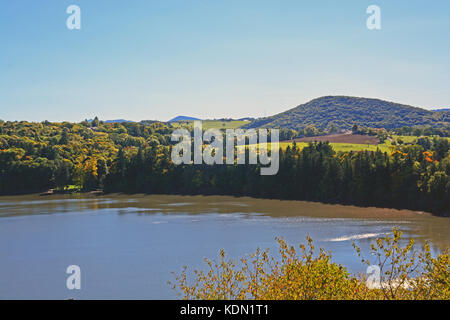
pixel 405 273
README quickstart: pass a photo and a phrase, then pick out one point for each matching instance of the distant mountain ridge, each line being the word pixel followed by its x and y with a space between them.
pixel 112 121
pixel 344 111
pixel 118 121
pixel 440 110
pixel 183 118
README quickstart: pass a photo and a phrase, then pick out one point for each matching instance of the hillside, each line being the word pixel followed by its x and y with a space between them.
pixel 344 112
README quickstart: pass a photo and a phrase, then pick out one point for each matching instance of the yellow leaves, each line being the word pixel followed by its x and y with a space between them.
pixel 90 166
pixel 314 276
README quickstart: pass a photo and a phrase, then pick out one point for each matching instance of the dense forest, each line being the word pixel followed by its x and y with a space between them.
pixel 343 112
pixel 39 156
pixel 409 178
pixel 136 157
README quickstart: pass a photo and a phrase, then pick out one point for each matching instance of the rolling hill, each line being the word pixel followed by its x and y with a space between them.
pixel 344 112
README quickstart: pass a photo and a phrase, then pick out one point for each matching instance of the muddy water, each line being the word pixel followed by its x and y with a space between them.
pixel 127 246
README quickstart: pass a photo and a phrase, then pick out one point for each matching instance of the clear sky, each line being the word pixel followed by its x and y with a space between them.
pixel 147 59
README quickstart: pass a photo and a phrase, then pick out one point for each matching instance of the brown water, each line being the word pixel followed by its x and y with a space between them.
pixel 126 246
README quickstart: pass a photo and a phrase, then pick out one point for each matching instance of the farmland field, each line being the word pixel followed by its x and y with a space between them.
pixel 342 138
pixel 353 142
pixel 213 124
pixel 233 124
pixel 343 142
pixel 345 147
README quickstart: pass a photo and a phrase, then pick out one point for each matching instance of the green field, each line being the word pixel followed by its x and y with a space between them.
pixel 405 139
pixel 344 147
pixel 411 139
pixel 213 124
pixel 233 124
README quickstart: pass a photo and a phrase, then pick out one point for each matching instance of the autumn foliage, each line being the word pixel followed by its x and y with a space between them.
pixel 304 274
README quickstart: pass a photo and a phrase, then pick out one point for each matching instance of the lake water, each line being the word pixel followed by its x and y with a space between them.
pixel 127 246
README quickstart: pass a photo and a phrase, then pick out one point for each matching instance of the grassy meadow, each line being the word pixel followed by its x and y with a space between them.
pixel 212 124
pixel 386 146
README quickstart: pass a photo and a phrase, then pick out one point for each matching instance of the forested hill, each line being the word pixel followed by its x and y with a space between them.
pixel 344 112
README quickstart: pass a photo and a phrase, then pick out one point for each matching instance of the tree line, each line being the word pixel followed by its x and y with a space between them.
pixel 409 178
pixel 135 157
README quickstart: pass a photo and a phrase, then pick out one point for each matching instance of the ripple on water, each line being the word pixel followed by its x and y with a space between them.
pixel 357 237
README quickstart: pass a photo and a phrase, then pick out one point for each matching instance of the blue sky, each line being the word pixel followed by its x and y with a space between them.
pixel 158 59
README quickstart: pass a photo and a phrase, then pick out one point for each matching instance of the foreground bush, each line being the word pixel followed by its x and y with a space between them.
pixel 404 273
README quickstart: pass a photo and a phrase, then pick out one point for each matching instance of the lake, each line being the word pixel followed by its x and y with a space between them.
pixel 128 245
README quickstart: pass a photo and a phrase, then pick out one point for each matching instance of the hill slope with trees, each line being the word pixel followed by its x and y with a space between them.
pixel 343 112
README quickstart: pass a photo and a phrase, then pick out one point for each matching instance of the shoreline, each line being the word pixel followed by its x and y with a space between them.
pixel 244 204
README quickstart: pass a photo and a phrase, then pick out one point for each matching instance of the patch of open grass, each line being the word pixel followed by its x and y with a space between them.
pixel 347 147
pixel 216 124
pixel 212 124
pixel 344 147
pixel 406 139
pixel 412 139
